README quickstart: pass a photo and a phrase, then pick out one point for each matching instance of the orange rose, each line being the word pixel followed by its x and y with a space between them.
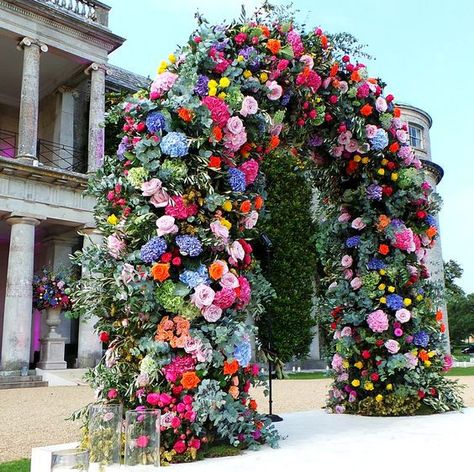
pixel 190 380
pixel 230 368
pixel 160 271
pixel 259 202
pixel 217 133
pixel 265 30
pixel 185 114
pixel 384 249
pixel 274 45
pixel 253 405
pixel 215 161
pixel 245 206
pixel 355 76
pixel 431 232
pixel 397 112
pixel 366 110
pixel 216 269
pixel 234 392
pixel 383 222
pixel 439 315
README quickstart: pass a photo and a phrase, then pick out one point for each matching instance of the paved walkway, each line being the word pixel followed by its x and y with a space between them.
pixel 36 417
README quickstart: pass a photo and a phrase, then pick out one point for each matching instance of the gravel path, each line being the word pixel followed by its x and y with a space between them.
pixel 36 416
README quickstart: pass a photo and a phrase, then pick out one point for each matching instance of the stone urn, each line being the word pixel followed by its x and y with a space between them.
pixel 53 344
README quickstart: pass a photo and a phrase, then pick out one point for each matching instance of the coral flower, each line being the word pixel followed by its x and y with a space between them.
pixel 384 249
pixel 185 114
pixel 215 162
pixel 258 202
pixel 245 206
pixel 160 272
pixel 217 270
pixel 366 110
pixel 190 380
pixel 253 405
pixel 439 315
pixel 383 222
pixel 217 133
pixel 231 368
pixel 274 45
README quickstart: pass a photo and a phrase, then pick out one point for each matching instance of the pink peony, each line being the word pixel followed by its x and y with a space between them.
pixel 153 398
pixel 346 331
pixel 220 231
pixel 346 261
pixel 179 209
pixel 344 138
pixel 358 224
pixel 219 110
pixel 115 246
pixel 404 240
pixel 249 106
pixel 356 283
pixel 392 346
pixel 234 142
pixel 225 298
pixel 163 83
pixel 112 393
pixel 447 362
pixel 348 274
pixel 203 296
pixel 378 321
pixel 212 313
pixel 250 169
pixel 166 225
pixel 403 315
pixel 179 447
pixel 275 90
pixel 371 131
pixel 245 293
pixel 229 280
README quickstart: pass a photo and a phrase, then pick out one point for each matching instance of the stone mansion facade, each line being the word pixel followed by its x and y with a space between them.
pixel 54 76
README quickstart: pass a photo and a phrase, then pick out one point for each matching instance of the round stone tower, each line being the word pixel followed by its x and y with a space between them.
pixel 419 124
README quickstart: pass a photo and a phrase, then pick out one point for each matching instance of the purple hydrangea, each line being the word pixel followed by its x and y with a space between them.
pixel 374 192
pixel 237 180
pixel 379 141
pixel 315 141
pixel 175 144
pixel 201 85
pixel 394 301
pixel 189 245
pixel 285 99
pixel 353 241
pixel 155 121
pixel 376 264
pixel 422 338
pixel 153 250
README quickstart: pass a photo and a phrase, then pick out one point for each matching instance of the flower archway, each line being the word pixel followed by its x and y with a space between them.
pixel 179 206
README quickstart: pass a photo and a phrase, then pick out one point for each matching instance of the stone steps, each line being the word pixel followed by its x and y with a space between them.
pixel 18 381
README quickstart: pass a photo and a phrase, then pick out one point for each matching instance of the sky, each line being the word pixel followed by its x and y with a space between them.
pixel 423 50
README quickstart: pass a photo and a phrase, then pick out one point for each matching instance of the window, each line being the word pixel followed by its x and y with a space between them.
pixel 416 136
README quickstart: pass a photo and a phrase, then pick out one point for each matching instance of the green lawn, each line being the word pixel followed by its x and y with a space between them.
pixel 22 465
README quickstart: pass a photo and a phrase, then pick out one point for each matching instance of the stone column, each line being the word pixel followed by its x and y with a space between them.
pixel 19 294
pixel 64 126
pixel 28 121
pixel 96 116
pixel 89 349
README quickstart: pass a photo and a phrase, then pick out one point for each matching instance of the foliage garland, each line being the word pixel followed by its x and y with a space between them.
pixel 179 202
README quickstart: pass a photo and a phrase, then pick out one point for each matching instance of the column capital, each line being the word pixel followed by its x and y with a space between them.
pixel 95 66
pixel 66 89
pixel 27 42
pixel 25 220
pixel 89 229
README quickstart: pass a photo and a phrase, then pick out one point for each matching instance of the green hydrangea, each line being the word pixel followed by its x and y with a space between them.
pixel 166 296
pixel 234 97
pixel 370 280
pixel 408 177
pixel 148 366
pixel 386 120
pixel 172 170
pixel 136 176
pixel 190 311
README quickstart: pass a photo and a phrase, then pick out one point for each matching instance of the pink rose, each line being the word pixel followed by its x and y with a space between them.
pixel 128 273
pixel 392 346
pixel 160 199
pixel 378 321
pixel 229 280
pixel 142 441
pixel 235 125
pixel 358 224
pixel 381 105
pixel 344 217
pixel 153 398
pixel 219 231
pixel 165 225
pixel 151 187
pixel 346 261
pixel 346 331
pixel 203 296
pixel 307 60
pixel 352 146
pixel 250 169
pixel 403 315
pixel 371 131
pixel 348 274
pixel 402 136
pixel 337 151
pixel 344 138
pixel 234 142
pixel 275 90
pixel 356 283
pixel 250 220
pixel 249 106
pixel 212 313
pixel 236 251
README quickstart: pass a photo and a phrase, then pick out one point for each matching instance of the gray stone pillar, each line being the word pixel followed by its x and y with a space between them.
pixel 64 127
pixel 19 294
pixel 96 116
pixel 28 121
pixel 89 349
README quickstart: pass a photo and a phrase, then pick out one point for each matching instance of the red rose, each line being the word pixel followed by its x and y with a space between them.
pixel 421 214
pixel 432 391
pixel 176 261
pixel 421 394
pixel 366 354
pixel 166 257
pixel 387 190
pixel 104 337
pixel 391 165
pixel 141 127
pixel 379 342
pixel 333 325
pixel 389 98
pixel 215 161
pixel 374 376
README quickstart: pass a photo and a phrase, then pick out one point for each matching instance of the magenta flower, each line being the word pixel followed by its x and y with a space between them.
pixel 142 441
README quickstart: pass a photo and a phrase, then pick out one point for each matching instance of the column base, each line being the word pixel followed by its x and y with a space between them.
pixel 52 354
pixel 27 159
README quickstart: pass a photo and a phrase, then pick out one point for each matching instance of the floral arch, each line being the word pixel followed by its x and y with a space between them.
pixel 179 206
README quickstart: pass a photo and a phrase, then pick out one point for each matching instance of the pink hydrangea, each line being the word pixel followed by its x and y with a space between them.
pixel 404 240
pixel 245 293
pixel 378 321
pixel 295 42
pixel 337 362
pixel 176 368
pixel 219 111
pixel 163 83
pixel 225 298
pixel 250 169
pixel 179 209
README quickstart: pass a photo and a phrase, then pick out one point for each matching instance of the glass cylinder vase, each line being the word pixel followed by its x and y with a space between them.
pixel 142 439
pixel 105 430
pixel 69 460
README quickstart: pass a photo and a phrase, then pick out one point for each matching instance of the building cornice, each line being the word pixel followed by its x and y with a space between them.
pixel 434 169
pixel 67 22
pixel 425 114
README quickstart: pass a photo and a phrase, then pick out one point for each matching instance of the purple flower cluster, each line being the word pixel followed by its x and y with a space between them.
pixel 374 192
pixel 376 264
pixel 201 85
pixel 155 121
pixel 189 245
pixel 353 241
pixel 315 141
pixel 153 250
pixel 394 301
pixel 237 180
pixel 422 338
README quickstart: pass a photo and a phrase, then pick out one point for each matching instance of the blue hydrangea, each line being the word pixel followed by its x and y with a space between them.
pixel 285 99
pixel 243 353
pixel 374 192
pixel 201 85
pixel 431 220
pixel 353 241
pixel 153 250
pixel 379 141
pixel 394 301
pixel 189 245
pixel 175 144
pixel 155 121
pixel 422 338
pixel 237 180
pixel 194 278
pixel 376 264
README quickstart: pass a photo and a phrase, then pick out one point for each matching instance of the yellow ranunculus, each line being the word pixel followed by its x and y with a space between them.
pixel 419 297
pixel 368 386
pixel 384 162
pixel 163 66
pixel 431 354
pixel 247 74
pixel 365 160
pixel 227 205
pixel 224 82
pixel 389 387
pixel 382 271
pixel 381 172
pixel 355 383
pixel 357 158
pixel 394 176
pixel 226 223
pixel 391 289
pixel 359 365
pixel 381 287
pixel 222 95
pixel 407 301
pixel 112 220
pixel 263 77
pixel 383 300
pixel 212 84
pixel 379 398
pixel 345 364
pixel 240 58
pixel 172 58
pixel 212 92
pixel 427 363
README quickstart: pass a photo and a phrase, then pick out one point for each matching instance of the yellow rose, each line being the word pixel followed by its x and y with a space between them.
pixel 345 364
pixel 240 58
pixel 407 301
pixel 357 158
pixel 383 300
pixel 247 74
pixel 381 287
pixel 394 176
pixel 431 354
pixel 212 84
pixel 381 172
pixel 355 383
pixel 172 58
pixel 382 271
pixel 226 223
pixel 227 206
pixel 379 398
pixel 365 160
pixel 391 289
pixel 112 220
pixel 263 77
pixel 359 365
pixel 389 387
pixel 212 92
pixel 222 95
pixel 427 363
pixel 163 66
pixel 368 386
pixel 224 82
